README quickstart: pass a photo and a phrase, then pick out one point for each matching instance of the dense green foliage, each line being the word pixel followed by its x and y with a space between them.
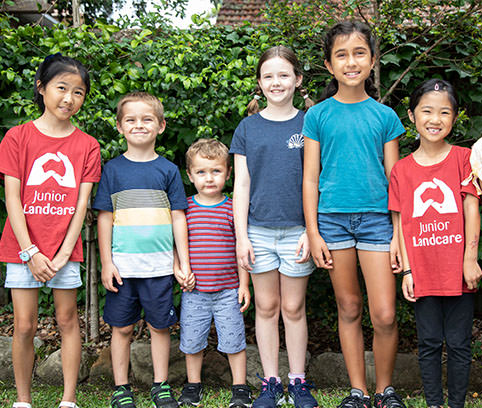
pixel 205 76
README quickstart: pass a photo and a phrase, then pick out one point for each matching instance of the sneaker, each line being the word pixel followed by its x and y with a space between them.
pixel 161 396
pixel 240 396
pixel 356 399
pixel 300 395
pixel 271 394
pixel 191 395
pixel 389 399
pixel 122 398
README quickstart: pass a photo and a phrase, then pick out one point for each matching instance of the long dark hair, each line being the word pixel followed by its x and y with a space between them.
pixel 434 85
pixel 347 28
pixel 52 66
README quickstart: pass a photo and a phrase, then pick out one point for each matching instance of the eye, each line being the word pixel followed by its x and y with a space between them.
pixel 148 120
pixel 217 171
pixel 79 93
pixel 61 88
pixel 129 120
pixel 200 172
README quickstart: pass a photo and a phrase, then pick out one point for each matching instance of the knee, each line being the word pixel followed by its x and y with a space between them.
pixel 349 309
pixel 384 320
pixel 25 329
pixel 268 309
pixel 67 321
pixel 293 311
pixel 125 331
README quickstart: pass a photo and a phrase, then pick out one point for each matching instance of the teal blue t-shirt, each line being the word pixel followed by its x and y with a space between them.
pixel 352 137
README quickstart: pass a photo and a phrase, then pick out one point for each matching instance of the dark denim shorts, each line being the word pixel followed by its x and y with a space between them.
pixel 366 231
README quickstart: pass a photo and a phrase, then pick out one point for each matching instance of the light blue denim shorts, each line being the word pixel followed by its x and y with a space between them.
pixel 197 312
pixel 275 247
pixel 20 277
pixel 368 231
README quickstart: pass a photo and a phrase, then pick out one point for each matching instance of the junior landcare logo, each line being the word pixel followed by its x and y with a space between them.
pixel 50 202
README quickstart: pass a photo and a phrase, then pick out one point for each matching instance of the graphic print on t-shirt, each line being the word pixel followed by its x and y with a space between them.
pixel 38 175
pixel 296 141
pixel 447 206
pixel 47 166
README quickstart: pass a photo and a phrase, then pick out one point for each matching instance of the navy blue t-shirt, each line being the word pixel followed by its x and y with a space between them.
pixel 274 155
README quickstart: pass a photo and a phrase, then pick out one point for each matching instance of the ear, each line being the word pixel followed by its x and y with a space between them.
pixel 162 127
pixel 374 58
pixel 328 66
pixel 119 128
pixel 299 80
pixel 189 175
pixel 40 87
pixel 411 116
pixel 228 173
pixel 455 119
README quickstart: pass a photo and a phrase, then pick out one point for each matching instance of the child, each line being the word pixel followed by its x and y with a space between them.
pixel 353 140
pixel 270 235
pixel 218 292
pixel 49 167
pixel 141 201
pixel 439 235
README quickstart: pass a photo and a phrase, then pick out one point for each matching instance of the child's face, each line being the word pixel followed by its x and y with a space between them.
pixel 434 116
pixel 278 81
pixel 63 95
pixel 140 125
pixel 351 60
pixel 209 176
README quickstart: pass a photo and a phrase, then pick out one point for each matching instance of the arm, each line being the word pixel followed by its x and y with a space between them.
pixel 303 248
pixel 41 267
pixel 472 271
pixel 187 283
pixel 390 157
pixel 311 173
pixel 104 232
pixel 75 226
pixel 243 291
pixel 407 282
pixel 244 249
pixel 179 230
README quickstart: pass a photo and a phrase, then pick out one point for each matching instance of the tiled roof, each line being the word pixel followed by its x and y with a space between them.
pixel 235 12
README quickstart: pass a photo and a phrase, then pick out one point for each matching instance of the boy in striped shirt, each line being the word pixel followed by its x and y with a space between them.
pixel 220 289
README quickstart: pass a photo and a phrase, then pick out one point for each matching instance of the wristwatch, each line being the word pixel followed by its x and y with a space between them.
pixel 27 253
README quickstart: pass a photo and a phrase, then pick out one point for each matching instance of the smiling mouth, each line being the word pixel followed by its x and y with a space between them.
pixel 352 74
pixel 434 131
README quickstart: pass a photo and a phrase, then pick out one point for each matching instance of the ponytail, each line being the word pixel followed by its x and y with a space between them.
pixel 308 101
pixel 253 106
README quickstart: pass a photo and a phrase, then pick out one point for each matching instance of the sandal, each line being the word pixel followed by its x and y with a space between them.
pixel 21 405
pixel 68 404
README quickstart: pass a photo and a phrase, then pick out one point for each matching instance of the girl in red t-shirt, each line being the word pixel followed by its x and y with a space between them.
pixel 439 228
pixel 49 168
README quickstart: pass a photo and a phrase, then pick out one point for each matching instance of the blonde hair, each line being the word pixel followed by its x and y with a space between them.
pixel 137 96
pixel 211 149
pixel 287 54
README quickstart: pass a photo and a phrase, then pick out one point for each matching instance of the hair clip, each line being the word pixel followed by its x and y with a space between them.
pixel 257 97
pixel 436 87
pixel 58 54
pixel 305 96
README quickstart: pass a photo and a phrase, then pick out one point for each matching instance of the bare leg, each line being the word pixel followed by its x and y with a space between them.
pixel 120 346
pixel 380 283
pixel 293 310
pixel 267 301
pixel 160 348
pixel 25 313
pixel 194 363
pixel 344 278
pixel 68 323
pixel 237 362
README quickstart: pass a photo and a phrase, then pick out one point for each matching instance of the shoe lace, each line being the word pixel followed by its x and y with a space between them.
pixel 392 400
pixel 303 388
pixel 267 388
pixel 352 401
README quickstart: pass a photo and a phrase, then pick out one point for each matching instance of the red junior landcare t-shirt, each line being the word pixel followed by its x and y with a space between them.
pixel 430 201
pixel 50 171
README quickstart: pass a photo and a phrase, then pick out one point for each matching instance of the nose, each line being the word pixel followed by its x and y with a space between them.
pixel 67 97
pixel 351 59
pixel 209 176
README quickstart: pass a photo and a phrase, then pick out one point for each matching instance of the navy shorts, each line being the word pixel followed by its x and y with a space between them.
pixel 365 231
pixel 154 295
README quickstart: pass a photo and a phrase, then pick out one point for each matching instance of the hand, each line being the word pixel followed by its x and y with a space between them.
pixel 185 278
pixel 320 252
pixel 244 296
pixel 109 273
pixel 42 267
pixel 60 260
pixel 472 273
pixel 245 254
pixel 395 255
pixel 303 249
pixel 407 288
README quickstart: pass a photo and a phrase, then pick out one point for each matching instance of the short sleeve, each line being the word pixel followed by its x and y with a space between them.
pixel 394 127
pixel 394 191
pixel 103 199
pixel 466 171
pixel 238 144
pixel 9 155
pixel 92 169
pixel 310 126
pixel 175 192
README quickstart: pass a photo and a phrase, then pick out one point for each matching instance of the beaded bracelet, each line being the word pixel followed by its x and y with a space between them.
pixel 407 272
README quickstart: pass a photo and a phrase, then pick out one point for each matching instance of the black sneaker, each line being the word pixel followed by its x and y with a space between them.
pixel 389 399
pixel 191 395
pixel 241 396
pixel 122 398
pixel 356 399
pixel 161 396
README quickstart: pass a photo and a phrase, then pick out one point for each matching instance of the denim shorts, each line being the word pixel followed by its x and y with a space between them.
pixel 20 277
pixel 197 312
pixel 275 247
pixel 368 231
pixel 154 295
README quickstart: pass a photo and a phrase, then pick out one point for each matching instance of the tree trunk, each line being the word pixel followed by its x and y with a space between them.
pixel 76 13
pixel 376 68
